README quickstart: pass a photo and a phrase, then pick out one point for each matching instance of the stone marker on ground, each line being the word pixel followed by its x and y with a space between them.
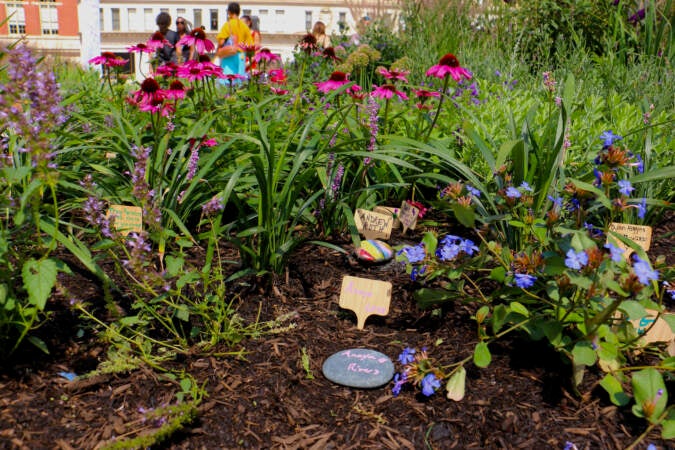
pixel 373 251
pixel 359 368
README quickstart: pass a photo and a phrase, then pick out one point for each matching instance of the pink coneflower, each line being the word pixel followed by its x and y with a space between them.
pixel 277 76
pixel 356 92
pixel 266 55
pixel 157 41
pixel 387 91
pixel 249 50
pixel 308 43
pixel 424 94
pixel 232 77
pixel 169 69
pixel 278 91
pixel 396 75
pixel 329 53
pixel 139 48
pixel 108 59
pixel 337 79
pixel 194 70
pixel 197 37
pixel 176 90
pixel 150 92
pixel 449 64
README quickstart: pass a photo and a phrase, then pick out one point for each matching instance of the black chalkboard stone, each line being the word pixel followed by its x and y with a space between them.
pixel 359 368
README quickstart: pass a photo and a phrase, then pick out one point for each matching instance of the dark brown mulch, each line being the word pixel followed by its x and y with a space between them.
pixel 265 399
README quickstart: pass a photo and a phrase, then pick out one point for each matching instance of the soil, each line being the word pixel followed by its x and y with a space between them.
pixel 259 395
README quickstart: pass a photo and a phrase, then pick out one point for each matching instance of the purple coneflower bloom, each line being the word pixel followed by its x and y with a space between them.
pixel 337 79
pixel 108 59
pixel 197 37
pixel 396 75
pixel 449 65
pixel 387 91
pixel 139 48
pixel 266 55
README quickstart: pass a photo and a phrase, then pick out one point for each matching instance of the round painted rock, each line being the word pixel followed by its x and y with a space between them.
pixel 374 252
pixel 359 368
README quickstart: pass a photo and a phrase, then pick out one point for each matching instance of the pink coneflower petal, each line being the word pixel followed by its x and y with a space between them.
pixel 449 65
pixel 396 75
pixel 387 91
pixel 337 79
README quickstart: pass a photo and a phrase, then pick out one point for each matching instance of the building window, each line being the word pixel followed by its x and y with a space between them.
pixel 49 18
pixel 166 10
pixel 148 19
pixel 262 12
pixel 197 16
pixel 180 11
pixel 17 18
pixel 132 19
pixel 214 19
pixel 246 12
pixel 101 19
pixel 342 21
pixel 115 19
pixel 308 20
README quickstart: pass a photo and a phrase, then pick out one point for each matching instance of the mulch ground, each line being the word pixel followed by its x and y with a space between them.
pixel 264 398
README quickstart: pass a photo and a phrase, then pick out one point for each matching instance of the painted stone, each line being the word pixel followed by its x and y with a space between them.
pixel 359 368
pixel 374 251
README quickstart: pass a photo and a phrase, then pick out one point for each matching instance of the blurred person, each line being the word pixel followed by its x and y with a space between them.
pixel 233 33
pixel 253 24
pixel 167 53
pixel 184 52
pixel 319 32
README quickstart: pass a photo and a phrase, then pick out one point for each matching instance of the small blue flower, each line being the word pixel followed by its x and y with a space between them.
pixel 625 188
pixel 651 447
pixel 642 208
pixel 417 272
pixel 557 201
pixel 472 190
pixel 414 254
pixel 450 239
pixel 429 384
pixel 644 272
pixel 615 253
pixel 448 252
pixel 570 446
pixel 640 164
pixel 608 138
pixel 468 247
pixel 524 280
pixel 593 231
pixel 526 187
pixel 399 381
pixel 576 260
pixel 406 356
pixel 512 192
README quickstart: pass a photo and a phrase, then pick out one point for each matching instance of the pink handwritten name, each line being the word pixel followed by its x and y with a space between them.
pixel 353 367
pixel 351 289
pixel 363 356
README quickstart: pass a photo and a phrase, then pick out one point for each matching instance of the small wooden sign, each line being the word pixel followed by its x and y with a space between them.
pixel 373 225
pixel 660 332
pixel 128 219
pixel 408 216
pixel 639 234
pixel 365 297
pixel 392 211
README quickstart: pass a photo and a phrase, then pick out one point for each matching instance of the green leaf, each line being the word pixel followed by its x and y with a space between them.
pixel 39 277
pixel 427 298
pixel 583 353
pixel 498 317
pixel 131 320
pixel 456 386
pixel 668 429
pixel 481 355
pixel 633 309
pixel 173 265
pixel 39 343
pixel 464 215
pixel 517 307
pixel 670 320
pixel 651 396
pixel 616 394
pixel 498 274
pixel 183 313
pixel 553 331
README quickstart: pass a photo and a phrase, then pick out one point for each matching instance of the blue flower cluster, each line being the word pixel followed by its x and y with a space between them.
pixel 451 247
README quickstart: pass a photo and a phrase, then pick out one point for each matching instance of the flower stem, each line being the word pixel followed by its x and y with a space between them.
pixel 440 103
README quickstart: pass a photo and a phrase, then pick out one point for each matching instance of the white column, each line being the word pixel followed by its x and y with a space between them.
pixel 90 30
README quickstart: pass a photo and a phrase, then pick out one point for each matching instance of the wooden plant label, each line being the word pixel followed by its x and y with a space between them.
pixel 365 297
pixel 408 216
pixel 392 211
pixel 128 219
pixel 373 225
pixel 660 332
pixel 639 234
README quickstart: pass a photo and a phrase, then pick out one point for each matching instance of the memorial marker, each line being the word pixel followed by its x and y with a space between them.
pixel 359 368
pixel 365 297
pixel 659 332
pixel 639 234
pixel 373 225
pixel 128 219
pixel 392 211
pixel 408 216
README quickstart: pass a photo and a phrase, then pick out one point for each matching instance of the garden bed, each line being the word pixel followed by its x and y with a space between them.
pixel 265 398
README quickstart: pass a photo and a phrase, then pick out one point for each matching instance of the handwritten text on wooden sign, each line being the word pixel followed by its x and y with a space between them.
pixel 408 216
pixel 639 234
pixel 128 219
pixel 373 225
pixel 365 297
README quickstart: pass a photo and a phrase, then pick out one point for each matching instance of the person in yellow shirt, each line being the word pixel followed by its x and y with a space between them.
pixel 233 33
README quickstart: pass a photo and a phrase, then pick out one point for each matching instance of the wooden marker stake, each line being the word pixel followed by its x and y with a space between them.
pixel 373 225
pixel 639 234
pixel 365 297
pixel 128 219
pixel 408 216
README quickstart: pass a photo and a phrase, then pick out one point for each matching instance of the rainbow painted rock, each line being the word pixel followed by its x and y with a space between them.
pixel 373 251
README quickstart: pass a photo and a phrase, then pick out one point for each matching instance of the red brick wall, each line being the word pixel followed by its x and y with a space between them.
pixel 67 13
